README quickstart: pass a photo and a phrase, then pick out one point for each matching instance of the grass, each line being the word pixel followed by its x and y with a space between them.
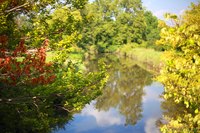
pixel 143 55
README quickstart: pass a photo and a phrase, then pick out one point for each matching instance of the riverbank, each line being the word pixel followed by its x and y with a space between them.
pixel 146 58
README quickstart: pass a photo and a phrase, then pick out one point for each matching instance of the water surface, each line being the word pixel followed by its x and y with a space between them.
pixel 130 103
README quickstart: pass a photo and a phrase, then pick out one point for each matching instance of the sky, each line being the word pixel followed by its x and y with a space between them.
pixel 159 7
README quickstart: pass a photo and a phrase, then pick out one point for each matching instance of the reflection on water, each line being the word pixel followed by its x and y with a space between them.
pixel 129 103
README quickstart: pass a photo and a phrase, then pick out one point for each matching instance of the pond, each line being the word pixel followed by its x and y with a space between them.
pixel 130 102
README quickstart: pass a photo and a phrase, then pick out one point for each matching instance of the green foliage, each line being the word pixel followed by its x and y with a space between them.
pixel 13 12
pixel 41 108
pixel 112 48
pixel 152 30
pixel 45 107
pixel 35 20
pixel 114 23
pixel 181 74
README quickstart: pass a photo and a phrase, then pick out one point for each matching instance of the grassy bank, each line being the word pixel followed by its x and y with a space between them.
pixel 149 58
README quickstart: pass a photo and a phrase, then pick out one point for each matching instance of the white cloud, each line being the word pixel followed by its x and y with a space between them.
pixel 153 92
pixel 181 11
pixel 104 118
pixel 160 13
pixel 150 126
pixel 148 3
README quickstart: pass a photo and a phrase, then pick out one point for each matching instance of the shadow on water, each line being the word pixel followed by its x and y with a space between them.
pixel 129 103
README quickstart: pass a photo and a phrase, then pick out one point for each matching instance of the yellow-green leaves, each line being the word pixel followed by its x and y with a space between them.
pixel 181 73
pixel 64 25
pixel 196 111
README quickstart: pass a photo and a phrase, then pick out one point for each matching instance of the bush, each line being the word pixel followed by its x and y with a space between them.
pixel 181 74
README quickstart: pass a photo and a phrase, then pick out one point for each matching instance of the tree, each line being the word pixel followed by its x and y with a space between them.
pixel 152 30
pixel 132 16
pixel 100 30
pixel 114 23
pixel 181 73
pixel 36 94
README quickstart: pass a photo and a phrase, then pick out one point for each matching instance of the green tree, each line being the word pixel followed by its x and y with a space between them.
pixel 30 99
pixel 114 23
pixel 181 73
pixel 132 18
pixel 152 30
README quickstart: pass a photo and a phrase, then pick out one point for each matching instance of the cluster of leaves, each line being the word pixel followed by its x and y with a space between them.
pixel 152 30
pixel 36 95
pixel 46 107
pixel 113 23
pixel 28 19
pixel 181 74
pixel 21 67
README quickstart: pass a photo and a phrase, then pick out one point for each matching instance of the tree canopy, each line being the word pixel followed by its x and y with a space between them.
pixel 114 23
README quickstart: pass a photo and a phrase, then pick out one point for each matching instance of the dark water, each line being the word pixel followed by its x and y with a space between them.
pixel 130 103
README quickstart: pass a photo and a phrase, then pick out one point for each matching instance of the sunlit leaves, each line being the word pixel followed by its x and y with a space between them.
pixel 182 70
pixel 34 92
pixel 113 23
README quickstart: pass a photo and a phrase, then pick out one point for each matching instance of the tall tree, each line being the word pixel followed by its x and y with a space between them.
pixel 131 17
pixel 115 23
pixel 152 30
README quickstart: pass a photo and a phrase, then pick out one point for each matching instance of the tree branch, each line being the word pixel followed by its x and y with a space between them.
pixel 16 8
pixel 63 108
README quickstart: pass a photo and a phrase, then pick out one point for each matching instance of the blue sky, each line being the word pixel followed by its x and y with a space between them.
pixel 159 7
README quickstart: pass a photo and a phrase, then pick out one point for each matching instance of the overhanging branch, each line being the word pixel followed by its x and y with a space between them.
pixel 16 8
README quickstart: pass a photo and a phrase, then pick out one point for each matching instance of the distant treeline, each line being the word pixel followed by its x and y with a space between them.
pixel 113 23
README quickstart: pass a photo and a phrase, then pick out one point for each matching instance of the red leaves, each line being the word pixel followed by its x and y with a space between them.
pixel 2 52
pixel 3 40
pixel 32 70
pixel 46 43
pixel 51 78
pixel 20 48
pixel 42 80
pixel 41 54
